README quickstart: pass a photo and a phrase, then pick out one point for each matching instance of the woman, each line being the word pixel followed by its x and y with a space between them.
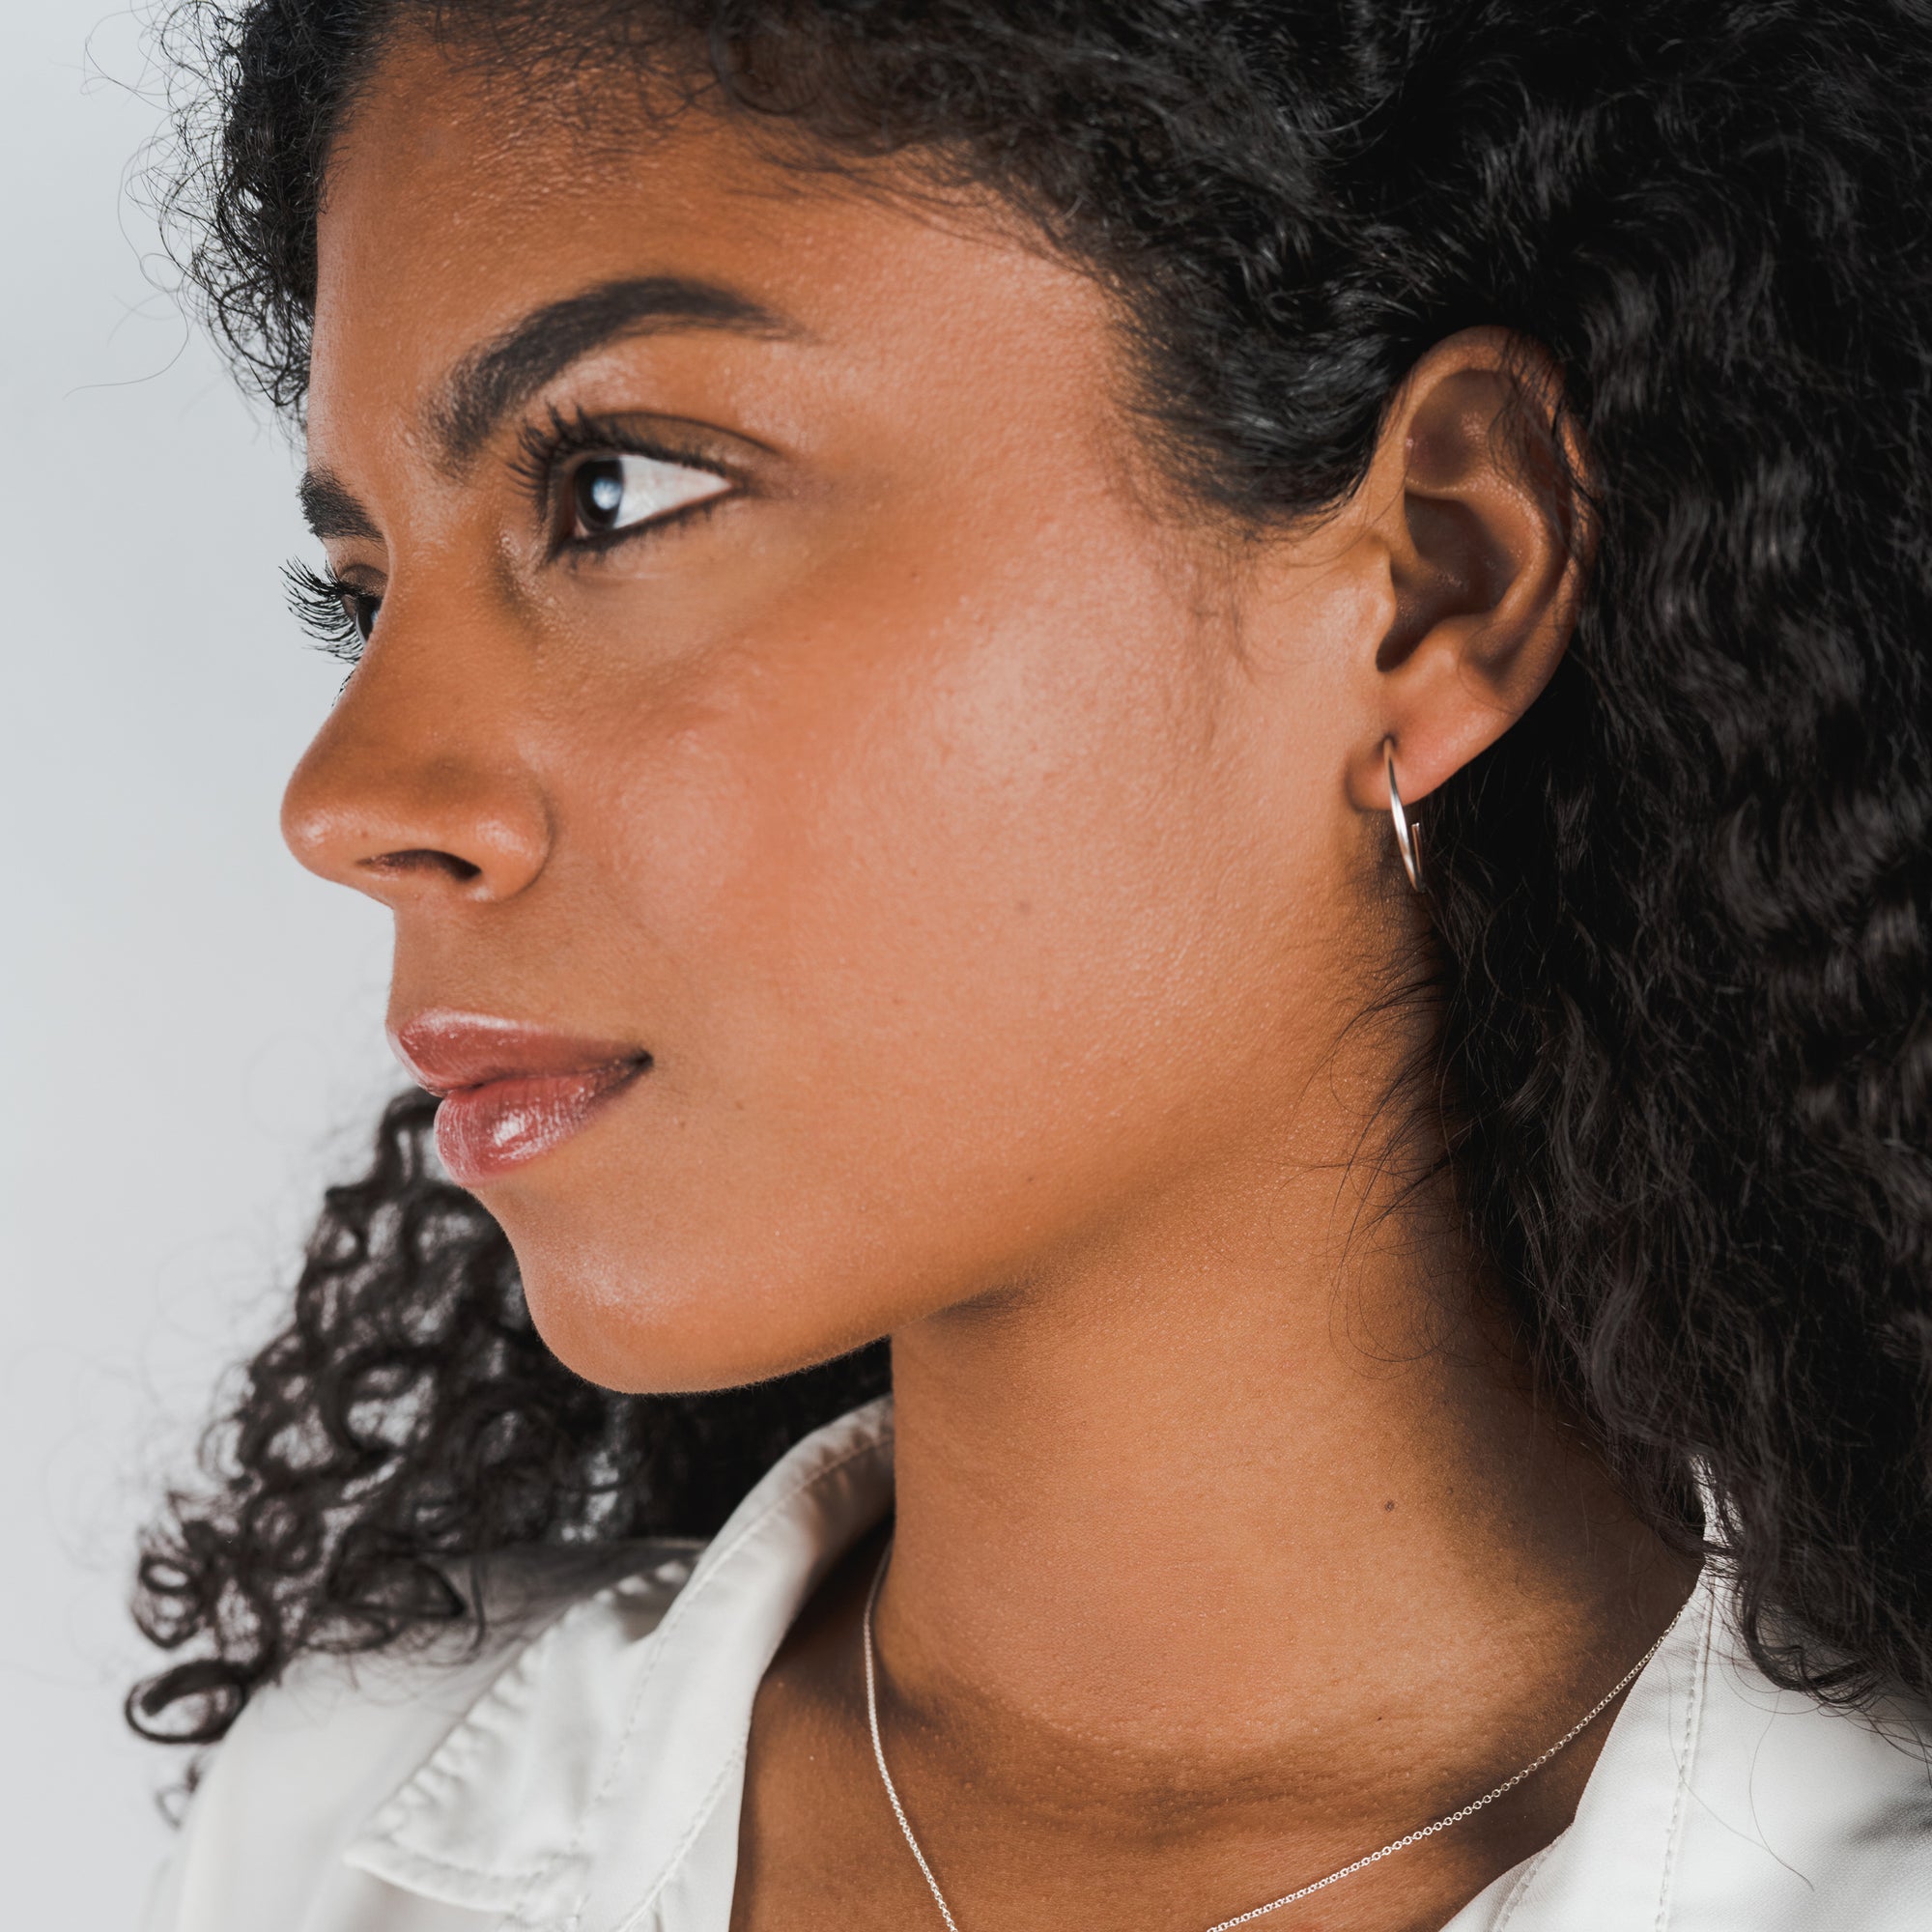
pixel 1219 713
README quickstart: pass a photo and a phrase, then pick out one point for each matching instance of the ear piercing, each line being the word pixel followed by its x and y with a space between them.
pixel 1407 834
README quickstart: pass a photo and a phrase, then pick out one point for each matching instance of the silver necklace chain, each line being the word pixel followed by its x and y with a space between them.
pixel 1389 1850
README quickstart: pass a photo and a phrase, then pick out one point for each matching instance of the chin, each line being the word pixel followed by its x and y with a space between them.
pixel 652 1326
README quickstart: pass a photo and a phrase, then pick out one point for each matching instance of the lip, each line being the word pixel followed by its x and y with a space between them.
pixel 510 1092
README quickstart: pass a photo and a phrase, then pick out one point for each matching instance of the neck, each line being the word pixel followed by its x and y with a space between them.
pixel 1164 1530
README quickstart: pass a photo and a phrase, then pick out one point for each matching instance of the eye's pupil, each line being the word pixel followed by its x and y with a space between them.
pixel 363 610
pixel 600 492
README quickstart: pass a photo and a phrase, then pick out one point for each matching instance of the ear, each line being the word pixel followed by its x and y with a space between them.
pixel 1472 506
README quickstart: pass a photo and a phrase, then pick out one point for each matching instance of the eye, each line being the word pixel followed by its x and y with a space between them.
pixel 624 492
pixel 339 617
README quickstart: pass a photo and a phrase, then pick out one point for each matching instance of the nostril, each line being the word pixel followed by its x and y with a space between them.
pixel 421 860
pixel 398 820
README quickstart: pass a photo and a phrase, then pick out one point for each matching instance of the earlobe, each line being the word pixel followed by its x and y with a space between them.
pixel 1479 504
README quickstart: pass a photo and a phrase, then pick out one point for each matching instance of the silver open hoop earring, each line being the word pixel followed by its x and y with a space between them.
pixel 1407 834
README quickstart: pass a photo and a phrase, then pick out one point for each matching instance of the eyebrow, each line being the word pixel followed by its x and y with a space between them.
pixel 493 379
pixel 333 510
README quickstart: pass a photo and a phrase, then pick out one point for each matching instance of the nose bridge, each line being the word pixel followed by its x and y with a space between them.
pixel 418 782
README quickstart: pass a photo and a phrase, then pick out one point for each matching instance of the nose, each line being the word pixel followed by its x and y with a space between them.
pixel 415 790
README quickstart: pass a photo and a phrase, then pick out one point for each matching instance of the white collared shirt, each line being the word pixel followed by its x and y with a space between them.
pixel 585 1775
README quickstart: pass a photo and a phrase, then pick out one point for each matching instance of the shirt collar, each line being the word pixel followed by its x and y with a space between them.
pixel 595 1787
pixel 575 1789
pixel 1720 1803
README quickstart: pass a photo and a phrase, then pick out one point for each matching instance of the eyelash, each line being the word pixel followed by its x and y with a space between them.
pixel 543 450
pixel 320 601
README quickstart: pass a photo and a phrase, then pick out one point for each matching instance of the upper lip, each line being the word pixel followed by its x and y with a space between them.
pixel 447 1051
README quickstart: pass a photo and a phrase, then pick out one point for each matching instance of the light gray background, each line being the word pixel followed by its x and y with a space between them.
pixel 191 1025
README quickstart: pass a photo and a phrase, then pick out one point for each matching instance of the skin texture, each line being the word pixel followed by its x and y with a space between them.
pixel 991 851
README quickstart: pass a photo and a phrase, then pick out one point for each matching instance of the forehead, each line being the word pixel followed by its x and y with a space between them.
pixel 460 202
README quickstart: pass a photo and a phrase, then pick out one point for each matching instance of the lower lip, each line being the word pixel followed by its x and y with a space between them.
pixel 482 1132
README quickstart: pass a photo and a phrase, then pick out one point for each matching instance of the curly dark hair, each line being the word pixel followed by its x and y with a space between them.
pixel 1682 911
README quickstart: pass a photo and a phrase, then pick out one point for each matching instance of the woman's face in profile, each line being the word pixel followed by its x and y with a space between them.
pixel 894 841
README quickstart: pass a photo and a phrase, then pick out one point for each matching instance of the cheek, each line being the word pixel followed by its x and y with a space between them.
pixel 946 932
pixel 989 819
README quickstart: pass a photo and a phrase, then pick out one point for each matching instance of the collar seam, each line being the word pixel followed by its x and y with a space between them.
pixel 519 1875
pixel 437 1782
pixel 734 1766
pixel 1519 1890
pixel 1694 1711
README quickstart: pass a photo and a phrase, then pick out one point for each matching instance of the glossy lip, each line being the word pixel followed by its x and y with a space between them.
pixel 509 1092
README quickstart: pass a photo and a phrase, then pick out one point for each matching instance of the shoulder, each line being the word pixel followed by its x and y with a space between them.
pixel 319 1754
